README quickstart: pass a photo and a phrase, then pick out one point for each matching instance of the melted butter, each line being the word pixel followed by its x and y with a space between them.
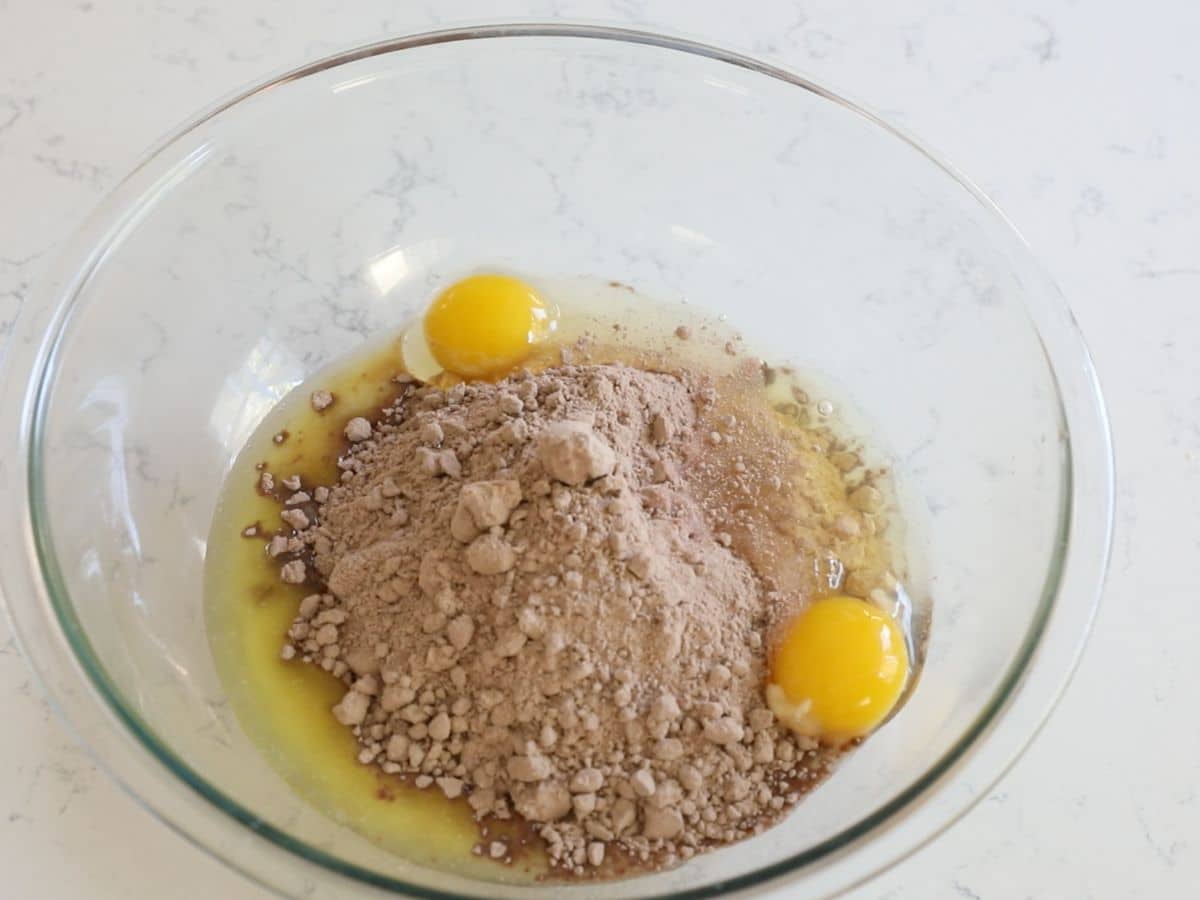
pixel 285 706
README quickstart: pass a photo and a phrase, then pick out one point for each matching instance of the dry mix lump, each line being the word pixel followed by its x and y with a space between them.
pixel 553 595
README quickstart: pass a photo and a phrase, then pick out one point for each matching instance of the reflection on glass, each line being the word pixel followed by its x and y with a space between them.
pixel 690 236
pixel 392 267
pixel 251 390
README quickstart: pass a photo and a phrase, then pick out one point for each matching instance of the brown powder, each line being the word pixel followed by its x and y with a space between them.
pixel 554 595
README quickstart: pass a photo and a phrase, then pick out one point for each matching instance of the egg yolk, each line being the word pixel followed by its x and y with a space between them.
pixel 839 670
pixel 485 325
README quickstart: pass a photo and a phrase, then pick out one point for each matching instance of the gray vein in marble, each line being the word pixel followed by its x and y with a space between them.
pixel 181 58
pixel 74 170
pixel 1167 852
pixel 1046 50
pixel 9 113
pixel 1154 274
pixel 148 358
pixel 1091 203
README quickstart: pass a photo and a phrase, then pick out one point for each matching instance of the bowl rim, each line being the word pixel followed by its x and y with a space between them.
pixel 50 634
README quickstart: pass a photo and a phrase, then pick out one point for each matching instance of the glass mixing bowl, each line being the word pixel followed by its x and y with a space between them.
pixel 280 228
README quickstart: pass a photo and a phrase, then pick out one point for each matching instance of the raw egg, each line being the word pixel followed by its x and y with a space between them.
pixel 839 670
pixel 485 325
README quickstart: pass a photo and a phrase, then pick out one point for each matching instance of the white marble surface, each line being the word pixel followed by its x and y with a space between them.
pixel 1079 118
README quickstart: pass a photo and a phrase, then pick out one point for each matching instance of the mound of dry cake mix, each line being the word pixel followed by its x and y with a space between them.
pixel 553 596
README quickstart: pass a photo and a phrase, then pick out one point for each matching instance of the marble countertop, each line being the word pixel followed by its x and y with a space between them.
pixel 1079 119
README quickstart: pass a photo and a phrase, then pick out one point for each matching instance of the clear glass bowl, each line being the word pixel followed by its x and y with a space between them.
pixel 280 228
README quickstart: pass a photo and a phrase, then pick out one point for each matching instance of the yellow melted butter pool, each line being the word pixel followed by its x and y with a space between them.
pixel 285 706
